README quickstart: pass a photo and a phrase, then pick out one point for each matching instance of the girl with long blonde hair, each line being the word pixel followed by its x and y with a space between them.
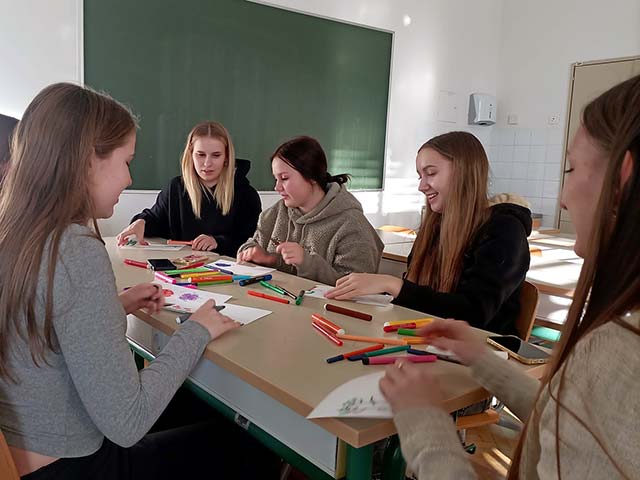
pixel 212 204
pixel 581 419
pixel 469 259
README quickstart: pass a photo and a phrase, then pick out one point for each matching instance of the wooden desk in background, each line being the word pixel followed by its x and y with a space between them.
pixel 272 373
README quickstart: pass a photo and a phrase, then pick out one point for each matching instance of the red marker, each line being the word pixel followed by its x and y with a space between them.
pixel 345 311
pixel 136 263
pixel 253 293
pixel 326 334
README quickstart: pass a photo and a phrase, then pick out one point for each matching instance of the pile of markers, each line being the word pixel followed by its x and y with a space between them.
pixel 376 354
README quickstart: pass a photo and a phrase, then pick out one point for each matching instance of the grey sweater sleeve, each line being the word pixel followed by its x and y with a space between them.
pixel 90 325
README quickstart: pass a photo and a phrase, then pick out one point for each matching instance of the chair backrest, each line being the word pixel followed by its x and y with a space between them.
pixel 528 308
pixel 8 469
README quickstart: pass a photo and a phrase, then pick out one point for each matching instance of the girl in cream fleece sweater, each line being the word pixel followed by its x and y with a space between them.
pixel 581 420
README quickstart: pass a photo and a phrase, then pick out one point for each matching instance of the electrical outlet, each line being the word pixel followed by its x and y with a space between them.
pixel 554 119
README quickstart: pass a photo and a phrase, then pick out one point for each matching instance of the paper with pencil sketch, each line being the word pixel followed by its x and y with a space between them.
pixel 358 398
pixel 379 300
pixel 240 269
pixel 186 300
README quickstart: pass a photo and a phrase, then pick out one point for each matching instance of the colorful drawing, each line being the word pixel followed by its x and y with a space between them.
pixel 166 292
pixel 189 297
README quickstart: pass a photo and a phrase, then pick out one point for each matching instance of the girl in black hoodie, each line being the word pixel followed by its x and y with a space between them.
pixel 470 259
pixel 211 204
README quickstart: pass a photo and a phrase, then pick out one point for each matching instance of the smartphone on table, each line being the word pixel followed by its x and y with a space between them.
pixel 160 264
pixel 519 349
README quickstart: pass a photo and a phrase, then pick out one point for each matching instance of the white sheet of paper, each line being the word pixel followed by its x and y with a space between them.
pixel 242 314
pixel 237 269
pixel 189 299
pixel 357 398
pixel 379 300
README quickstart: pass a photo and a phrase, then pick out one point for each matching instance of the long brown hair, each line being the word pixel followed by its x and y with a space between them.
pixel 46 190
pixel 223 193
pixel 444 237
pixel 609 283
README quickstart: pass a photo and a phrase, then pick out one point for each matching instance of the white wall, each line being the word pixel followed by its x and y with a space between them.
pixel 540 40
pixel 39 45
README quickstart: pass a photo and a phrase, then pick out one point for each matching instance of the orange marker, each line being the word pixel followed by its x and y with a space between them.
pixel 179 242
pixel 416 341
pixel 327 325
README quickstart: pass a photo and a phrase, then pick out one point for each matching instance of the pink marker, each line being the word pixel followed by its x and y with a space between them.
pixel 384 360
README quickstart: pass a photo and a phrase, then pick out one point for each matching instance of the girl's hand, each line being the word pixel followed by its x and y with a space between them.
pixel 407 386
pixel 144 295
pixel 356 284
pixel 135 229
pixel 292 253
pixel 204 243
pixel 257 255
pixel 456 336
pixel 215 323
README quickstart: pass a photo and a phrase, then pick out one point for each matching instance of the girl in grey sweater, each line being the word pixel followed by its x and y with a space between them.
pixel 317 230
pixel 72 403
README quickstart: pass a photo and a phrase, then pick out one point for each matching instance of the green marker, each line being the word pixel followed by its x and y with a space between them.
pixel 271 287
pixel 408 332
pixel 299 297
pixel 384 351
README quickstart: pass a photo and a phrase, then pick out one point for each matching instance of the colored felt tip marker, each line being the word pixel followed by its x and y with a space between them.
pixel 251 280
pixel 420 322
pixel 385 351
pixel 287 293
pixel 356 354
pixel 327 325
pixel 253 293
pixel 416 341
pixel 386 341
pixel 408 332
pixel 217 282
pixel 271 287
pixel 179 242
pixel 299 297
pixel 326 333
pixel 346 311
pixel 135 263
pixel 395 328
pixel 392 360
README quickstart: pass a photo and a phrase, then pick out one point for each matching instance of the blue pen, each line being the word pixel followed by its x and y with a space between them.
pixel 241 277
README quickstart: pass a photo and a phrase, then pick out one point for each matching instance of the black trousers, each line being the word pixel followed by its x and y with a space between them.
pixel 216 449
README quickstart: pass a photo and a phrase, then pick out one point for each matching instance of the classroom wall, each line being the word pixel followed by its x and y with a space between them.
pixel 539 42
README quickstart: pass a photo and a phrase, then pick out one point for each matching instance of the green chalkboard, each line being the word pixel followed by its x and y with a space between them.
pixel 267 74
